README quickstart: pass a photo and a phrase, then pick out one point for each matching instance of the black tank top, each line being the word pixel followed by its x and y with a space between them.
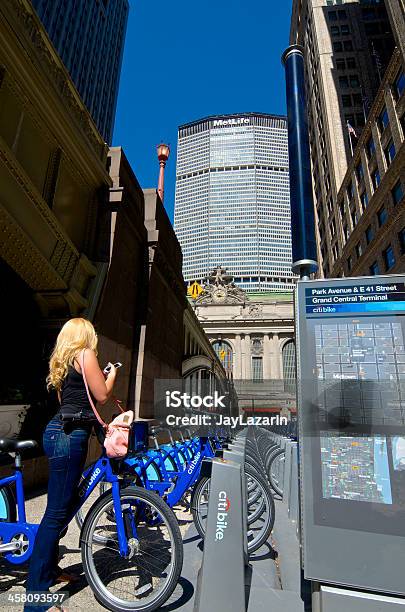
pixel 74 400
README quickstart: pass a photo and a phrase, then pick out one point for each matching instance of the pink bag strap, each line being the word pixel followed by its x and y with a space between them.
pixel 96 414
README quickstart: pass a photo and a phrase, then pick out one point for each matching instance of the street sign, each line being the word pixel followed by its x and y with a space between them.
pixel 194 290
pixel 351 408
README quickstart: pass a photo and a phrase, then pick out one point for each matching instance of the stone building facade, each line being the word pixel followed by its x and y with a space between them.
pixel 79 238
pixel 253 335
pixel 348 46
pixel 369 227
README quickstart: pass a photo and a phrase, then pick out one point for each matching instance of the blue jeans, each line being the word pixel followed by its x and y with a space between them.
pixel 66 449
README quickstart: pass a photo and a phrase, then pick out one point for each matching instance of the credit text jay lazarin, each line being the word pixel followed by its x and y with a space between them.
pixel 198 420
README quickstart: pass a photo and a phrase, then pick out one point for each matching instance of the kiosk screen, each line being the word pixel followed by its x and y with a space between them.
pixel 355 380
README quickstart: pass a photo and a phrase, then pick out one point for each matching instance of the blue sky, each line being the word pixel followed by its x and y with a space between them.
pixel 186 60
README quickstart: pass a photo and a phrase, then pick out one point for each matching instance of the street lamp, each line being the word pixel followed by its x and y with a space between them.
pixel 163 152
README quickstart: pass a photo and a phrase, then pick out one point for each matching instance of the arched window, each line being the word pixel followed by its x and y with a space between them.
pixel 289 364
pixel 225 354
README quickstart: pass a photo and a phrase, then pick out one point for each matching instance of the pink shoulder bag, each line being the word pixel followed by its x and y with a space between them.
pixel 117 432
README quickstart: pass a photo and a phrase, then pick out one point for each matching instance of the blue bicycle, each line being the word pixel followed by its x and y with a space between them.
pixel 131 545
pixel 171 470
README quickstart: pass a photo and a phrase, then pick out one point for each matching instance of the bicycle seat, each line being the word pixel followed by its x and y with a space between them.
pixel 10 445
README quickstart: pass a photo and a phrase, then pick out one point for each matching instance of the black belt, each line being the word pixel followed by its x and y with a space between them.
pixel 77 417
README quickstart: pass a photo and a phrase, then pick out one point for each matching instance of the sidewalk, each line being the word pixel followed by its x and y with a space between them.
pixel 274 579
pixel 12 578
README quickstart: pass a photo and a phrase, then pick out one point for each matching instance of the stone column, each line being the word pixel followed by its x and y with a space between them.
pixel 237 368
pixel 275 357
pixel 242 358
pixel 248 357
pixel 266 357
pixel 280 355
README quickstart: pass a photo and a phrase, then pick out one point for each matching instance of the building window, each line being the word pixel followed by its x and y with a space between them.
pixel 376 179
pixel 382 216
pixel 335 30
pixel 225 355
pixel 364 199
pixel 343 82
pixel 359 171
pixel 342 14
pixel 353 216
pixel 397 192
pixel 401 238
pixel 346 100
pixel 289 365
pixel 340 64
pixel 349 190
pixel 357 99
pixel 348 45
pixel 345 30
pixel 389 258
pixel 374 269
pixel 354 80
pixel 399 85
pixel 351 62
pixel 389 152
pixel 370 147
pixel 359 250
pixel 350 263
pixel 337 47
pixel 383 120
pixel 402 122
pixel 332 16
pixel 369 234
pixel 257 368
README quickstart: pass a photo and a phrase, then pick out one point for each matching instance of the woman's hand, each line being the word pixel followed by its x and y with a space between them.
pixel 112 373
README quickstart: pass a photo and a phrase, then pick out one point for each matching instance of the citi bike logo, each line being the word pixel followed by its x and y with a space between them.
pixel 222 514
pixel 87 484
pixel 193 463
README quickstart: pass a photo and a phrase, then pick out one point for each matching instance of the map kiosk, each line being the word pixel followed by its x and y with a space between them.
pixel 351 409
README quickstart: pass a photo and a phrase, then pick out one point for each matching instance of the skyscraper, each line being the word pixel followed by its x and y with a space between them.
pixel 89 37
pixel 359 183
pixel 348 45
pixel 232 200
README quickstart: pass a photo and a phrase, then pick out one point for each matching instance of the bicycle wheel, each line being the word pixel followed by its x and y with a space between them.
pixel 8 512
pixel 261 510
pixel 276 471
pixel 148 575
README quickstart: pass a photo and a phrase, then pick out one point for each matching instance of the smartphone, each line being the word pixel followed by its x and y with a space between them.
pixel 108 368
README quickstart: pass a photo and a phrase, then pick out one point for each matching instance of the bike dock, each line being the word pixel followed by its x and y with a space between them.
pixel 229 578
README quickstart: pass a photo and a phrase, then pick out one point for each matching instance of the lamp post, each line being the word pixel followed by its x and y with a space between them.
pixel 163 152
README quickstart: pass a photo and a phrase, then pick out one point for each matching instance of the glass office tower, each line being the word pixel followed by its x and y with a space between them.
pixel 232 200
pixel 89 36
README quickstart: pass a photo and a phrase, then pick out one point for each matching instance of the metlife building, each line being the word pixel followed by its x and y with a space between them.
pixel 232 200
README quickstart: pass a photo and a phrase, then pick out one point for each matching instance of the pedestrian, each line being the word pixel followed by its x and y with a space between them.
pixel 65 443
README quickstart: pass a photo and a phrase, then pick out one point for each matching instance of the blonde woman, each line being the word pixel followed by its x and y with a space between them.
pixel 65 442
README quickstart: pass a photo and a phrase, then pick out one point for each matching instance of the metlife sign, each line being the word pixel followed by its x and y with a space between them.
pixel 237 121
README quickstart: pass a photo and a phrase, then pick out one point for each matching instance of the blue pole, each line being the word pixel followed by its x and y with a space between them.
pixel 301 200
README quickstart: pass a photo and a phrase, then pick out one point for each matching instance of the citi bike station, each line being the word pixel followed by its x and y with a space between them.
pixel 351 397
pixel 342 484
pixel 309 517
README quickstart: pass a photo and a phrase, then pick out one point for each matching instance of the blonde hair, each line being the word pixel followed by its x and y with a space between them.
pixel 76 334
